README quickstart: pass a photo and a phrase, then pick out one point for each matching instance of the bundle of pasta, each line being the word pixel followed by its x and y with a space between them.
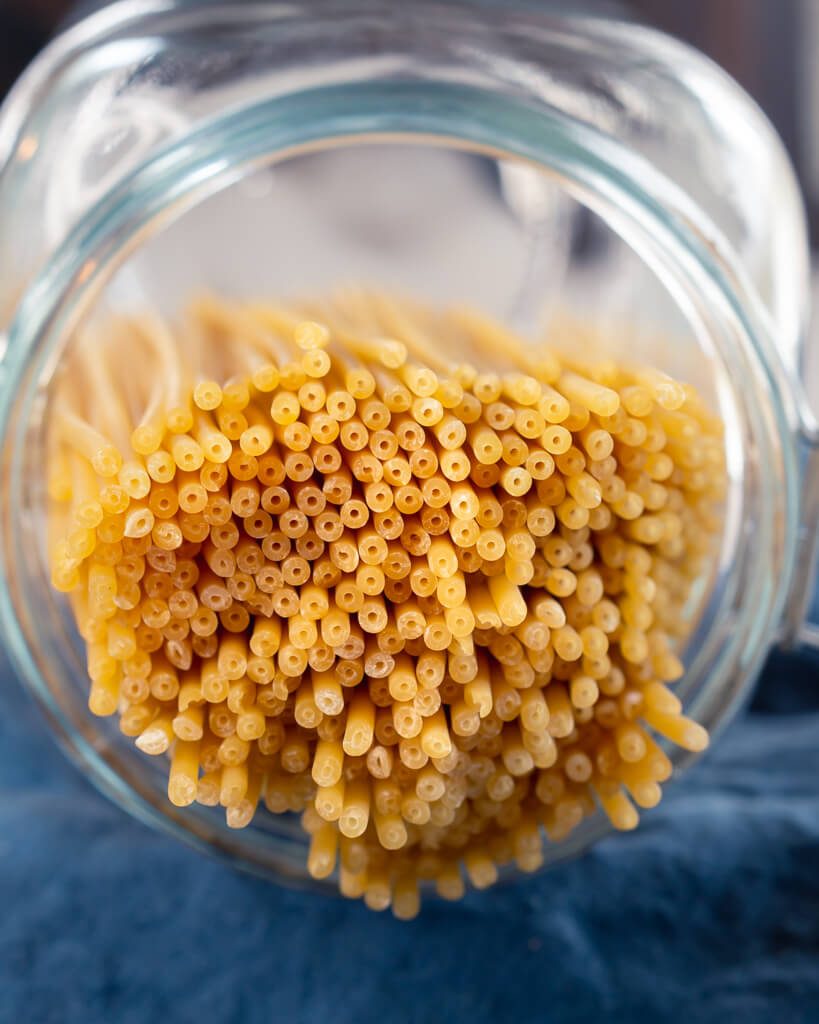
pixel 394 569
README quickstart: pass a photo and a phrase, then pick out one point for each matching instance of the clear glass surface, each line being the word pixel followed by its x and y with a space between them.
pixel 517 162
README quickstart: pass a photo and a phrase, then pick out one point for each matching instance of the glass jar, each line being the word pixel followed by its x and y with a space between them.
pixel 526 162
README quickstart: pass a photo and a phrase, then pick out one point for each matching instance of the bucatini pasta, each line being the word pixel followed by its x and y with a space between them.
pixel 393 569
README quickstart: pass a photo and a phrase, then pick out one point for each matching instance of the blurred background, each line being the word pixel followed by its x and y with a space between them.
pixel 769 46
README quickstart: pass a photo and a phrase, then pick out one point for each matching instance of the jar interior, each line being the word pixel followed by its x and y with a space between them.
pixel 439 222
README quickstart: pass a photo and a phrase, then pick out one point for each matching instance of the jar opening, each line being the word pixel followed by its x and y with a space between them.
pixel 511 215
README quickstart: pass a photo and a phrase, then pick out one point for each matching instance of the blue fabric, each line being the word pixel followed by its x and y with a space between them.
pixel 709 912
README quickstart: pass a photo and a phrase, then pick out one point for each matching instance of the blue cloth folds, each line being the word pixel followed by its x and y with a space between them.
pixel 709 912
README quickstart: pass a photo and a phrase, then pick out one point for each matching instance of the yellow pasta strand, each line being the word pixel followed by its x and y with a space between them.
pixel 392 569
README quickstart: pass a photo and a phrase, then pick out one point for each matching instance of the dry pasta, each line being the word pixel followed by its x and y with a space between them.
pixel 393 569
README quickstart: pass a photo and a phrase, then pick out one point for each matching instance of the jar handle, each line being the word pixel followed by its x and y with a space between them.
pixel 801 617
